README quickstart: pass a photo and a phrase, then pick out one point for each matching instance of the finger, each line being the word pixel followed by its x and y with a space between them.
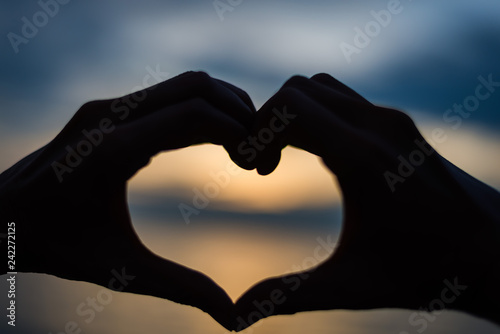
pixel 344 281
pixel 191 85
pixel 142 103
pixel 240 92
pixel 336 97
pixel 323 97
pixel 231 100
pixel 277 123
pixel 331 82
pixel 306 124
pixel 354 109
pixel 120 261
pixel 320 288
pixel 269 133
pixel 268 136
pixel 151 275
pixel 131 145
pixel 276 296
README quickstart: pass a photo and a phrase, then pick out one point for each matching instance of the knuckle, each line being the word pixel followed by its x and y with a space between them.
pixel 197 109
pixel 396 119
pixel 199 83
pixel 202 78
pixel 296 80
pixel 403 119
pixel 246 96
pixel 93 108
pixel 90 111
pixel 289 94
pixel 323 76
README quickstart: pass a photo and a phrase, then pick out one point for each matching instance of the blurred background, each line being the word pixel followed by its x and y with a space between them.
pixel 424 59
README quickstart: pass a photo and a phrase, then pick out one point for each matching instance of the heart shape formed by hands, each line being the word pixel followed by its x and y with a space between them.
pixel 407 211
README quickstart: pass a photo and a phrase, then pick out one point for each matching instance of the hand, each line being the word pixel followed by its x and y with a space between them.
pixel 68 199
pixel 414 232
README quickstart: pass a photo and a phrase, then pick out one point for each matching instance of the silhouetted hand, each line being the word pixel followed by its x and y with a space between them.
pixel 418 232
pixel 68 199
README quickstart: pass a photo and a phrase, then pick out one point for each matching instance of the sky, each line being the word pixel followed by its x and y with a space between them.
pixel 423 59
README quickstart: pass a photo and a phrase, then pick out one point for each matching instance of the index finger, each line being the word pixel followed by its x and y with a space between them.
pixel 231 100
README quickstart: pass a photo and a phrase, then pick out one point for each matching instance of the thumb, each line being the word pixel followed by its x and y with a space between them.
pixel 287 294
pixel 279 295
pixel 331 285
pixel 158 277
